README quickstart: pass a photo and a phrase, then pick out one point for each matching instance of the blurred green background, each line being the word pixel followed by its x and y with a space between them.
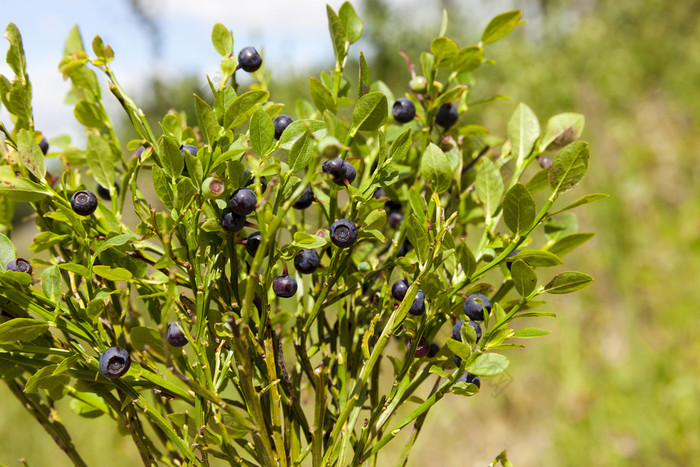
pixel 618 381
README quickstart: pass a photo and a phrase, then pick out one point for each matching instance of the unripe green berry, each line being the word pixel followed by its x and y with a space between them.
pixel 329 147
pixel 419 84
pixel 213 187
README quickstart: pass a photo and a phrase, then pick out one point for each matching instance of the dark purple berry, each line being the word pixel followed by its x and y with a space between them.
pixel 305 199
pixel 544 161
pixel 418 305
pixel 114 362
pixel 176 337
pixel 44 145
pixel 189 148
pixel 253 242
pixel 509 263
pixel 284 286
pixel 343 233
pixel 395 218
pixel 281 123
pixel 83 202
pixel 250 180
pixel 434 349
pixel 231 221
pixel 335 168
pixel 20 265
pixel 470 379
pixel 422 348
pixel 456 330
pixel 350 174
pixel 306 261
pixel 399 289
pixel 474 309
pixel 243 201
pixel 379 192
pixel 103 192
pixel 446 115
pixel 249 59
pixel 403 110
pixel 404 249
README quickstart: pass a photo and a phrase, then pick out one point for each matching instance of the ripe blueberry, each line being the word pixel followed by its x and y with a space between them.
pixel 249 59
pixel 470 379
pixel 510 255
pixel 350 174
pixel 189 148
pixel 284 286
pixel 250 180
pixel 114 362
pixel 473 309
pixel 83 202
pixel 405 248
pixel 253 242
pixel 305 199
pixel 395 218
pixel 399 289
pixel 446 115
pixel 544 161
pixel 418 305
pixel 231 221
pixel 379 192
pixel 44 145
pixel 335 168
pixel 281 123
pixel 176 338
pixel 103 192
pixel 434 349
pixel 403 110
pixel 243 201
pixel 422 348
pixel 343 233
pixel 20 265
pixel 306 261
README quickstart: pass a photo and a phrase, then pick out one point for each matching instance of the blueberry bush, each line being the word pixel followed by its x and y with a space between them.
pixel 403 218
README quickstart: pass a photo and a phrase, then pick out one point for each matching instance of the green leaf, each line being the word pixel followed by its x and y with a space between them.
pixel 15 54
pixel 7 251
pixel 115 241
pixel 298 128
pixel 112 274
pixel 338 34
pixel 400 146
pixel 208 125
pixel 417 203
pixel 458 348
pixel 581 201
pixel 562 129
pixel 308 241
pixel 449 96
pixel 365 80
pixel 301 152
pixel 44 378
pixel 163 186
pixel 538 258
pixel 51 282
pixel 568 282
pixel 170 156
pixel 523 131
pixel 30 154
pixel 444 50
pixel 351 22
pixel 435 167
pixel 143 338
pixel 466 258
pixel 21 329
pixel 222 38
pixel 262 132
pixel 569 243
pixel 243 107
pixel 75 268
pixel 526 333
pixel 539 181
pixel 74 43
pixel 321 95
pixel 375 220
pixel 500 26
pixel 489 185
pixel 518 209
pixel 569 167
pixel 468 59
pixel 488 364
pixel 21 189
pixel 100 161
pixel 370 112
pixel 95 308
pixel 88 114
pixel 418 236
pixel 524 278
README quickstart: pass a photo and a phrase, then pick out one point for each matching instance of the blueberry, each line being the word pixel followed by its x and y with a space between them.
pixel 446 115
pixel 473 309
pixel 103 192
pixel 249 59
pixel 20 265
pixel 392 205
pixel 404 249
pixel 470 379
pixel 403 110
pixel 114 362
pixel 44 145
pixel 329 147
pixel 379 192
pixel 83 202
pixel 305 199
pixel 335 168
pixel 189 148
pixel 253 242
pixel 418 305
pixel 457 360
pixel 422 348
pixel 456 330
pixel 510 255
pixel 250 180
pixel 306 261
pixel 544 161
pixel 350 174
pixel 434 349
pixel 243 201
pixel 231 221
pixel 399 289
pixel 281 123
pixel 284 286
pixel 343 233
pixel 176 337
pixel 419 84
pixel 395 218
